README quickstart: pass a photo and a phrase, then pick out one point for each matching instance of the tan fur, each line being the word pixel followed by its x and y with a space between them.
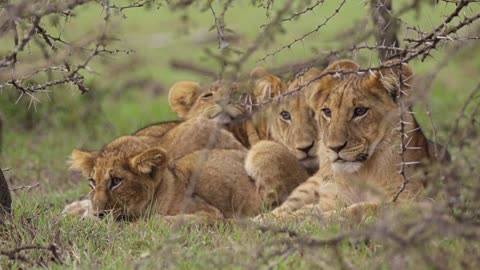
pixel 188 100
pixel 266 124
pixel 134 176
pixel 190 136
pixel 277 172
pixel 176 138
pixel 294 137
pixel 365 170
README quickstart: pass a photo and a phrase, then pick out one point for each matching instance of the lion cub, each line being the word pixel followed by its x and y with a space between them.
pixel 177 139
pixel 134 176
pixel 358 115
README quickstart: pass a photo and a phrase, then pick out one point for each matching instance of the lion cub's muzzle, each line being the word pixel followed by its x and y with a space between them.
pixel 347 153
pixel 306 153
pixel 224 115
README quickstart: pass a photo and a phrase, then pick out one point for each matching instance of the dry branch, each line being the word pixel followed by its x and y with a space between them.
pixel 25 188
pixel 15 254
pixel 186 65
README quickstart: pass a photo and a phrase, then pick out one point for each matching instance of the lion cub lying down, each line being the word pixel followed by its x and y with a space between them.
pixel 133 176
pixel 282 131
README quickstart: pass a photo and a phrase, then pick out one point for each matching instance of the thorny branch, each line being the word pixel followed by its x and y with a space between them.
pixel 220 25
pixel 136 4
pixel 267 31
pixel 404 138
pixel 289 45
pixel 385 27
pixel 53 47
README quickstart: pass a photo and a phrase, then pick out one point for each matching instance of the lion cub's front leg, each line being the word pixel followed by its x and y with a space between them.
pixel 323 195
pixel 275 170
pixel 197 205
pixel 356 212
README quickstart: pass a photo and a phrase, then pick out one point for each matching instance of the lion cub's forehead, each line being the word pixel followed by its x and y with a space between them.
pixel 294 102
pixel 117 154
pixel 350 91
pixel 222 87
pixel 108 162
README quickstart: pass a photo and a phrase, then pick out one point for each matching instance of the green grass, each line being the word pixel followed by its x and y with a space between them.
pixel 155 243
pixel 37 154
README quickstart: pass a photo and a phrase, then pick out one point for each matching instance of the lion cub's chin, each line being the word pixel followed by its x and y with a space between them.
pixel 346 167
pixel 310 164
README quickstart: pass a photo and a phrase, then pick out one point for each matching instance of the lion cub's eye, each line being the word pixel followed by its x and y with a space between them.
pixel 359 111
pixel 207 95
pixel 285 115
pixel 91 183
pixel 115 182
pixel 327 112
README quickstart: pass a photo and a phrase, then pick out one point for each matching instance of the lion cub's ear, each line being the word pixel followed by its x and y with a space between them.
pixel 395 76
pixel 343 64
pixel 311 73
pixel 313 88
pixel 182 96
pixel 82 160
pixel 264 85
pixel 145 162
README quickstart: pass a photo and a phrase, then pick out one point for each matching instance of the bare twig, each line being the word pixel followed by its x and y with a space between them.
pixel 460 115
pixel 25 188
pixel 220 25
pixel 188 65
pixel 14 254
pixel 267 31
pixel 300 13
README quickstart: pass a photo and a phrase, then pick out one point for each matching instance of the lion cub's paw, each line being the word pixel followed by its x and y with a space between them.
pixel 270 217
pixel 81 209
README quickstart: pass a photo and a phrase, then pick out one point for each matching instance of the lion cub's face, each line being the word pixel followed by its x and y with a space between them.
pixel 355 113
pixel 188 100
pixel 121 175
pixel 292 123
pixel 289 120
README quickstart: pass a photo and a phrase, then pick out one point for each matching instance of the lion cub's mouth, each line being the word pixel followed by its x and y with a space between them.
pixel 223 119
pixel 308 158
pixel 359 158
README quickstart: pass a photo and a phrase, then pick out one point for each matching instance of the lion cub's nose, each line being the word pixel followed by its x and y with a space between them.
pixel 101 214
pixel 306 149
pixel 338 148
